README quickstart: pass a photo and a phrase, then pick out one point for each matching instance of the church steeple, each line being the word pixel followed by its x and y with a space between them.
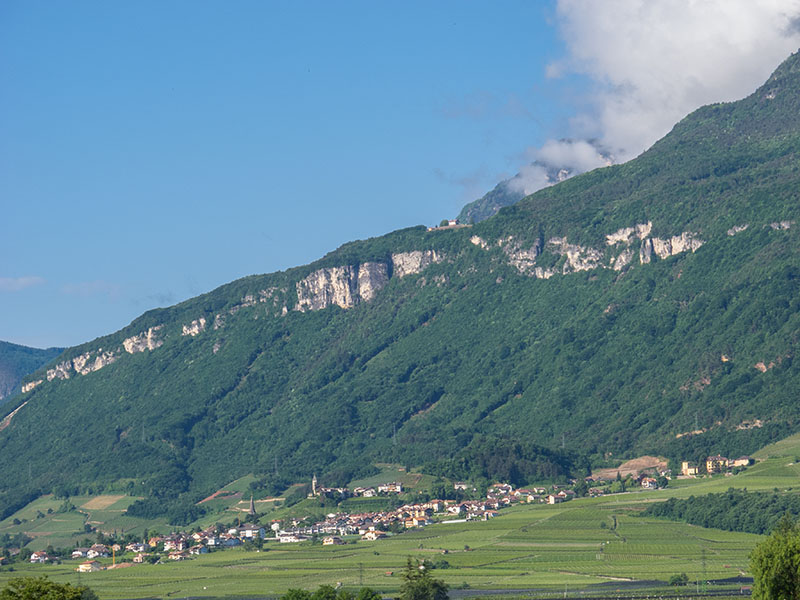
pixel 252 510
pixel 314 485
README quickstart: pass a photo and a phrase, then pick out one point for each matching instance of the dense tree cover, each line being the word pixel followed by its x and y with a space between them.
pixel 508 460
pixel 734 510
pixel 41 588
pixel 775 564
pixel 18 361
pixel 327 592
pixel 419 584
pixel 586 364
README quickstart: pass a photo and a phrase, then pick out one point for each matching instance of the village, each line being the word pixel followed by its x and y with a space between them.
pixel 339 528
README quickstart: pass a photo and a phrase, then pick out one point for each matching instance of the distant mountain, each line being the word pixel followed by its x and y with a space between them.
pixel 18 361
pixel 648 307
pixel 558 162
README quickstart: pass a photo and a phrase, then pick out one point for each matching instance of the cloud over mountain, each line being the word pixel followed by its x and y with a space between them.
pixel 652 63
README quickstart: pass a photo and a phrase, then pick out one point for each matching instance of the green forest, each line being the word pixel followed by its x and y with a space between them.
pixel 471 366
pixel 734 510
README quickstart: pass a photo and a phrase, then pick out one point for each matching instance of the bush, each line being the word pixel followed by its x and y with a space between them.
pixel 681 579
pixel 25 588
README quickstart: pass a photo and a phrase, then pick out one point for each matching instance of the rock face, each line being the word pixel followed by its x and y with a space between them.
pixel 144 341
pixel 371 279
pixel 60 371
pixel 578 258
pixel 410 263
pixel 522 258
pixel 341 286
pixel 30 385
pixel 626 235
pixel 781 225
pixel 737 229
pixel 669 247
pixel 195 327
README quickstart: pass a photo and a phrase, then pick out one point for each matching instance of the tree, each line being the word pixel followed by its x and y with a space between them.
pixel 36 588
pixel 681 579
pixel 324 592
pixel 366 593
pixel 775 563
pixel 419 585
pixel 296 594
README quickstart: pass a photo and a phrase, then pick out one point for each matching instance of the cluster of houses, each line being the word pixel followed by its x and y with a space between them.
pixel 373 525
pixel 714 464
pixel 369 526
pixel 364 492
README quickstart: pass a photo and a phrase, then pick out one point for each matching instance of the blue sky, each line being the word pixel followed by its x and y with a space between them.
pixel 151 151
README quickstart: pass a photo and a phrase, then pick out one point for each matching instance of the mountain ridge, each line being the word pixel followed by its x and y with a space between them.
pixel 606 314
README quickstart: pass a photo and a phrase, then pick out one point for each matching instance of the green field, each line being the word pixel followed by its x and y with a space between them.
pixel 527 547
pixel 570 546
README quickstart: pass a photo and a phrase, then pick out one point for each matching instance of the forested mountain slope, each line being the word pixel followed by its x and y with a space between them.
pixel 17 361
pixel 609 314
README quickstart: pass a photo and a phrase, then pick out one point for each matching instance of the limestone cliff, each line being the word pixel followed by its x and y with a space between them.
pixel 149 340
pixel 195 327
pixel 618 255
pixel 343 286
pixel 410 263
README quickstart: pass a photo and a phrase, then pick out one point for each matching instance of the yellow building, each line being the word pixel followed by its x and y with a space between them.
pixel 716 464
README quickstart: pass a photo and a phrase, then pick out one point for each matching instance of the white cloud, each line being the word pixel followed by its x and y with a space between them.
pixel 556 160
pixel 16 284
pixel 654 62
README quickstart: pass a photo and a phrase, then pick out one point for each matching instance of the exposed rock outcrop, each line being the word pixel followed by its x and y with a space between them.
pixel 147 340
pixel 521 257
pixel 626 235
pixel 669 247
pixel 737 229
pixel 60 371
pixel 103 359
pixel 585 258
pixel 579 258
pixel 27 387
pixel 372 277
pixel 410 263
pixel 341 286
pixel 195 327
pixel 780 225
pixel 479 241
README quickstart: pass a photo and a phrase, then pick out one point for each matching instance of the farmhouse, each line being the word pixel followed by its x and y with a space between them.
pixel 88 567
pixel 689 469
pixel 649 483
pixel 332 540
pixel 390 488
pixel 39 557
pixel 716 464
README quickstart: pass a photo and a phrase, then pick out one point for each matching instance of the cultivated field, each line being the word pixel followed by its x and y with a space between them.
pixel 581 547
